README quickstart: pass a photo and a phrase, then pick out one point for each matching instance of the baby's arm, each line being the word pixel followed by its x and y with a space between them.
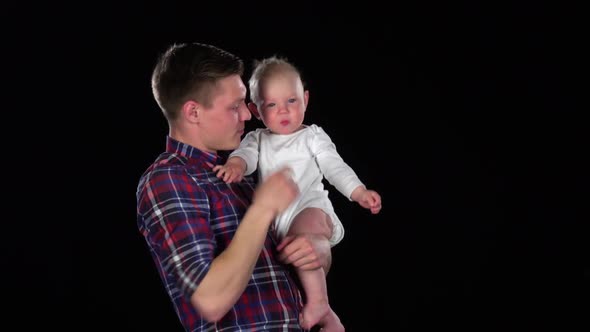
pixel 232 171
pixel 369 199
pixel 242 161
pixel 340 174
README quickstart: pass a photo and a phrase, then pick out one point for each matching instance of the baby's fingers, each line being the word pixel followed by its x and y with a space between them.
pixel 376 205
pixel 227 176
pixel 236 177
pixel 221 171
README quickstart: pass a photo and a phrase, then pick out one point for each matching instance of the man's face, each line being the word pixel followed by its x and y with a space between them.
pixel 222 124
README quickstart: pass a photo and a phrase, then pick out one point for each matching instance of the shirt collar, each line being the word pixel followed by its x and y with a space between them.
pixel 190 152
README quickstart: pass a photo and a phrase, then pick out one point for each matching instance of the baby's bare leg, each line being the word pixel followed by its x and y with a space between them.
pixel 314 221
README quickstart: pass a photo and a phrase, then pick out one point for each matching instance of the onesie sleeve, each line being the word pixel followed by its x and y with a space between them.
pixel 248 150
pixel 335 170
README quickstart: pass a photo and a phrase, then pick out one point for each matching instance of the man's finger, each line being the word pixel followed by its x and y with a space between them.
pixel 286 240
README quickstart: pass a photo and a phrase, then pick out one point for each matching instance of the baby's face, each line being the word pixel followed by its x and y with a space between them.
pixel 283 103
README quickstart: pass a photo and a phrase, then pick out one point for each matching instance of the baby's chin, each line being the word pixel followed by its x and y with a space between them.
pixel 285 129
pixel 281 132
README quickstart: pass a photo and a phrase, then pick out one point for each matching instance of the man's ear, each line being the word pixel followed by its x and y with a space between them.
pixel 190 111
pixel 252 107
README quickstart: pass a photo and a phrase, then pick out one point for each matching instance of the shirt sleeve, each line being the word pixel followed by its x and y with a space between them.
pixel 248 150
pixel 335 170
pixel 176 226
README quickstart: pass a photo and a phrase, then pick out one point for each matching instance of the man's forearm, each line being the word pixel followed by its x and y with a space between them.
pixel 230 272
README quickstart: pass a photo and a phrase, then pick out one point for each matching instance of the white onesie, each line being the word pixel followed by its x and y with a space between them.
pixel 312 156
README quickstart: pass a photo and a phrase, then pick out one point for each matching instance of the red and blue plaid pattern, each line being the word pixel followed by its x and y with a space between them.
pixel 188 216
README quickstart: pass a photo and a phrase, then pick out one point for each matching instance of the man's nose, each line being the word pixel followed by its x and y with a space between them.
pixel 245 114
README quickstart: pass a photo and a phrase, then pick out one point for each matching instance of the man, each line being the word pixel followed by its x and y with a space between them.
pixel 210 240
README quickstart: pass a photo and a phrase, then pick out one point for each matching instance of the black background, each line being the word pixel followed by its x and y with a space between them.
pixel 463 116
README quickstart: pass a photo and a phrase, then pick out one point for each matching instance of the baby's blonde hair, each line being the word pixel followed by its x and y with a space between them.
pixel 265 69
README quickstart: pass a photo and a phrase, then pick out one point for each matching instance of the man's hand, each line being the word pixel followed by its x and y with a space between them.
pixel 306 251
pixel 232 171
pixel 277 192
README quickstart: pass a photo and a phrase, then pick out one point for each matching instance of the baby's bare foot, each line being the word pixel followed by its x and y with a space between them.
pixel 331 323
pixel 313 312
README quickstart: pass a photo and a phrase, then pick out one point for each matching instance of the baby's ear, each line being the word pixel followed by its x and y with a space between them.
pixel 252 107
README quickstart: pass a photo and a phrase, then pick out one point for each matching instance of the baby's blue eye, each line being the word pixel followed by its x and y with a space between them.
pixel 292 100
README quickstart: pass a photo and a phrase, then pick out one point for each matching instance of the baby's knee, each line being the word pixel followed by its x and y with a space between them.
pixel 312 221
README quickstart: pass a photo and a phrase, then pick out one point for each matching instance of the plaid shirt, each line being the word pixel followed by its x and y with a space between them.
pixel 188 216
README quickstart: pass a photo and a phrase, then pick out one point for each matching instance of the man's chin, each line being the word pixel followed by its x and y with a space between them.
pixel 233 146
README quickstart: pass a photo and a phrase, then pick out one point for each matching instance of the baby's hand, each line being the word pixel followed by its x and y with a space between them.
pixel 232 171
pixel 369 199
